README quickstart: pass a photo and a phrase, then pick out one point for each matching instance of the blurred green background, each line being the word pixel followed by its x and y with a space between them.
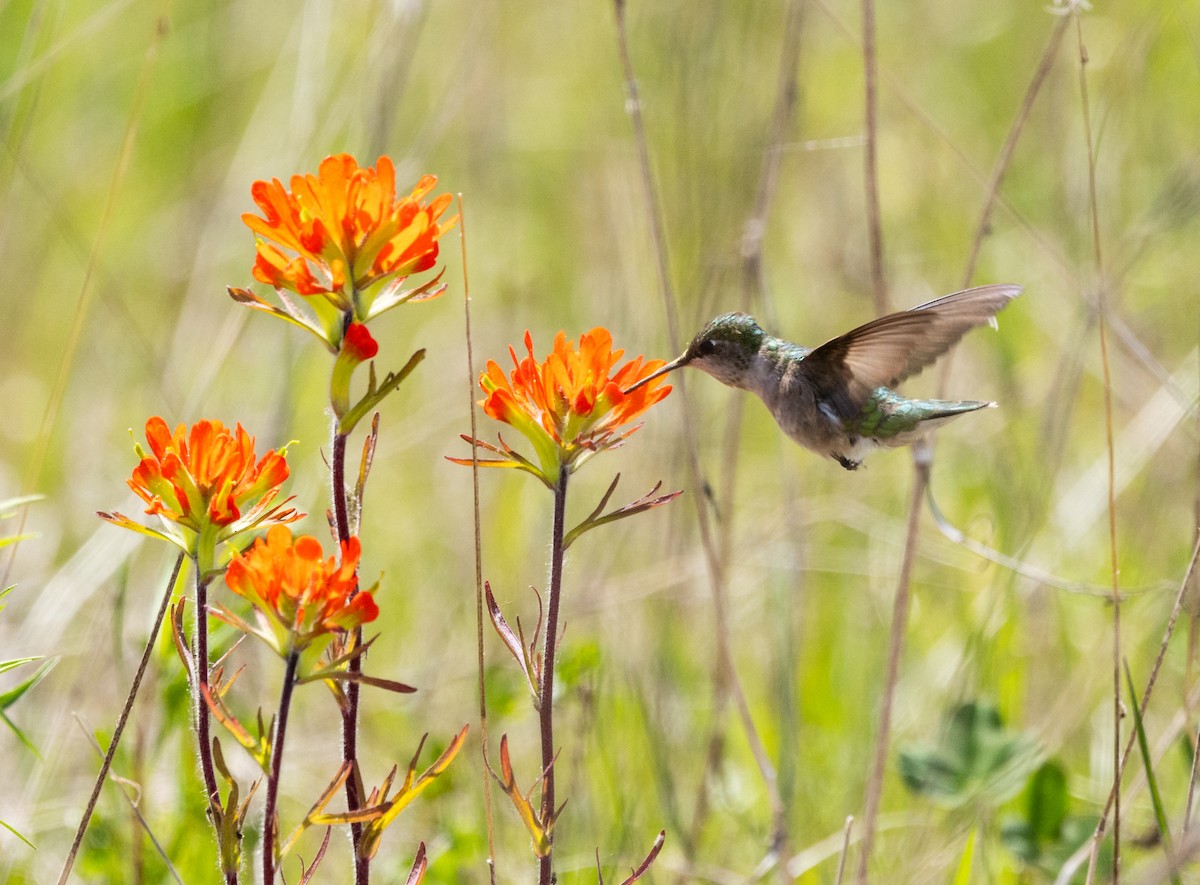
pixel 131 134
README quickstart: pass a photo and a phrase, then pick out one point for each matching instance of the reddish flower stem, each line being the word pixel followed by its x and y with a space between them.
pixel 341 520
pixel 200 666
pixel 341 513
pixel 269 824
pixel 546 689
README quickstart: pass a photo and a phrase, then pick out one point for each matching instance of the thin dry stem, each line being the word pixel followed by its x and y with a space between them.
pixel 998 171
pixel 1187 814
pixel 754 295
pixel 653 207
pixel 1037 237
pixel 1010 144
pixel 1108 430
pixel 1176 609
pixel 479 631
pixel 870 161
pixel 755 226
pixel 895 647
pixel 122 720
pixel 132 801
pixel 841 871
pixel 712 556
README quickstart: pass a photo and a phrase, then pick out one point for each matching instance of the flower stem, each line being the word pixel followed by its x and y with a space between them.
pixel 200 668
pixel 269 813
pixel 546 690
pixel 121 722
pixel 341 521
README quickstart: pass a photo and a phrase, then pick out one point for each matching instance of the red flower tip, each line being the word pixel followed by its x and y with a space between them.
pixel 359 344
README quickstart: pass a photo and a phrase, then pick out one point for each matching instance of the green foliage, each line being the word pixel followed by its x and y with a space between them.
pixel 1045 834
pixel 14 694
pixel 976 762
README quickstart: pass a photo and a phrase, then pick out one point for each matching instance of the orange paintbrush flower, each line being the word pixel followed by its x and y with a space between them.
pixel 570 406
pixel 297 594
pixel 344 237
pixel 207 480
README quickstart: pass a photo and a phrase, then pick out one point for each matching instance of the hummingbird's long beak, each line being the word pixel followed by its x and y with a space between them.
pixel 669 367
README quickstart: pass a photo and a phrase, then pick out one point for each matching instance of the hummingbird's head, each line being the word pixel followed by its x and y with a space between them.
pixel 725 348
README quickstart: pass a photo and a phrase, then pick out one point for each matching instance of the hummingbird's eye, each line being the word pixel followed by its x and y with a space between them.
pixel 707 346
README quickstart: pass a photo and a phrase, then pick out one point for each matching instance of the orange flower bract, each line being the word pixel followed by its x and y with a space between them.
pixel 347 228
pixel 571 405
pixel 207 479
pixel 298 593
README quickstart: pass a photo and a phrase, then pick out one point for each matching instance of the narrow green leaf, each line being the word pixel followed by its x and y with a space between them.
pixel 18 835
pixel 1160 815
pixel 5 666
pixel 8 506
pixel 10 697
pixel 20 735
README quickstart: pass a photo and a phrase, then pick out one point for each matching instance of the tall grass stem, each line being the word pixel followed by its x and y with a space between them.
pixel 122 721
pixel 478 532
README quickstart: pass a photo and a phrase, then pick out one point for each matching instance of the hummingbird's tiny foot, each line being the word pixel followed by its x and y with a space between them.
pixel 847 463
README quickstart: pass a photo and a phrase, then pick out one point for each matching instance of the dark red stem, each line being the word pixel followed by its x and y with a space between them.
pixel 341 520
pixel 546 689
pixel 269 823
pixel 201 676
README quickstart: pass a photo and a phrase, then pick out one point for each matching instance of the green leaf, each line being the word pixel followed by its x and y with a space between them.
pixel 18 835
pixel 1160 815
pixel 1045 815
pixel 1046 802
pixel 978 760
pixel 9 506
pixel 5 666
pixel 14 694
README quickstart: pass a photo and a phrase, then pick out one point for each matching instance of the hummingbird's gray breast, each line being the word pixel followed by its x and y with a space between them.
pixel 785 383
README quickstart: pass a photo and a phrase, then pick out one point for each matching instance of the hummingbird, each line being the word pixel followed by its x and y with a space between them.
pixel 837 399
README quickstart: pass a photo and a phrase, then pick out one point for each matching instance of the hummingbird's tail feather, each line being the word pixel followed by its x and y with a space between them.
pixel 944 411
pixel 914 418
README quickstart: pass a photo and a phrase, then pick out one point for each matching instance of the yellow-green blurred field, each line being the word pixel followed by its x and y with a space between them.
pixel 131 134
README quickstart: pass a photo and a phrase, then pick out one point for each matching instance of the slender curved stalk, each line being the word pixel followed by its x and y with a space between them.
pixel 269 823
pixel 106 765
pixel 546 689
pixel 895 647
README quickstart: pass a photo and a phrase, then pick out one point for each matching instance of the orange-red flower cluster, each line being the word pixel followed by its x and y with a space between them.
pixel 570 406
pixel 348 229
pixel 297 593
pixel 206 479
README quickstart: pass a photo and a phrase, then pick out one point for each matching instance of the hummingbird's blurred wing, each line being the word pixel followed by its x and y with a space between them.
pixel 885 351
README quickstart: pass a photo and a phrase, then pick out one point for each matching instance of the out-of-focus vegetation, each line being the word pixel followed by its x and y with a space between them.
pixel 131 133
